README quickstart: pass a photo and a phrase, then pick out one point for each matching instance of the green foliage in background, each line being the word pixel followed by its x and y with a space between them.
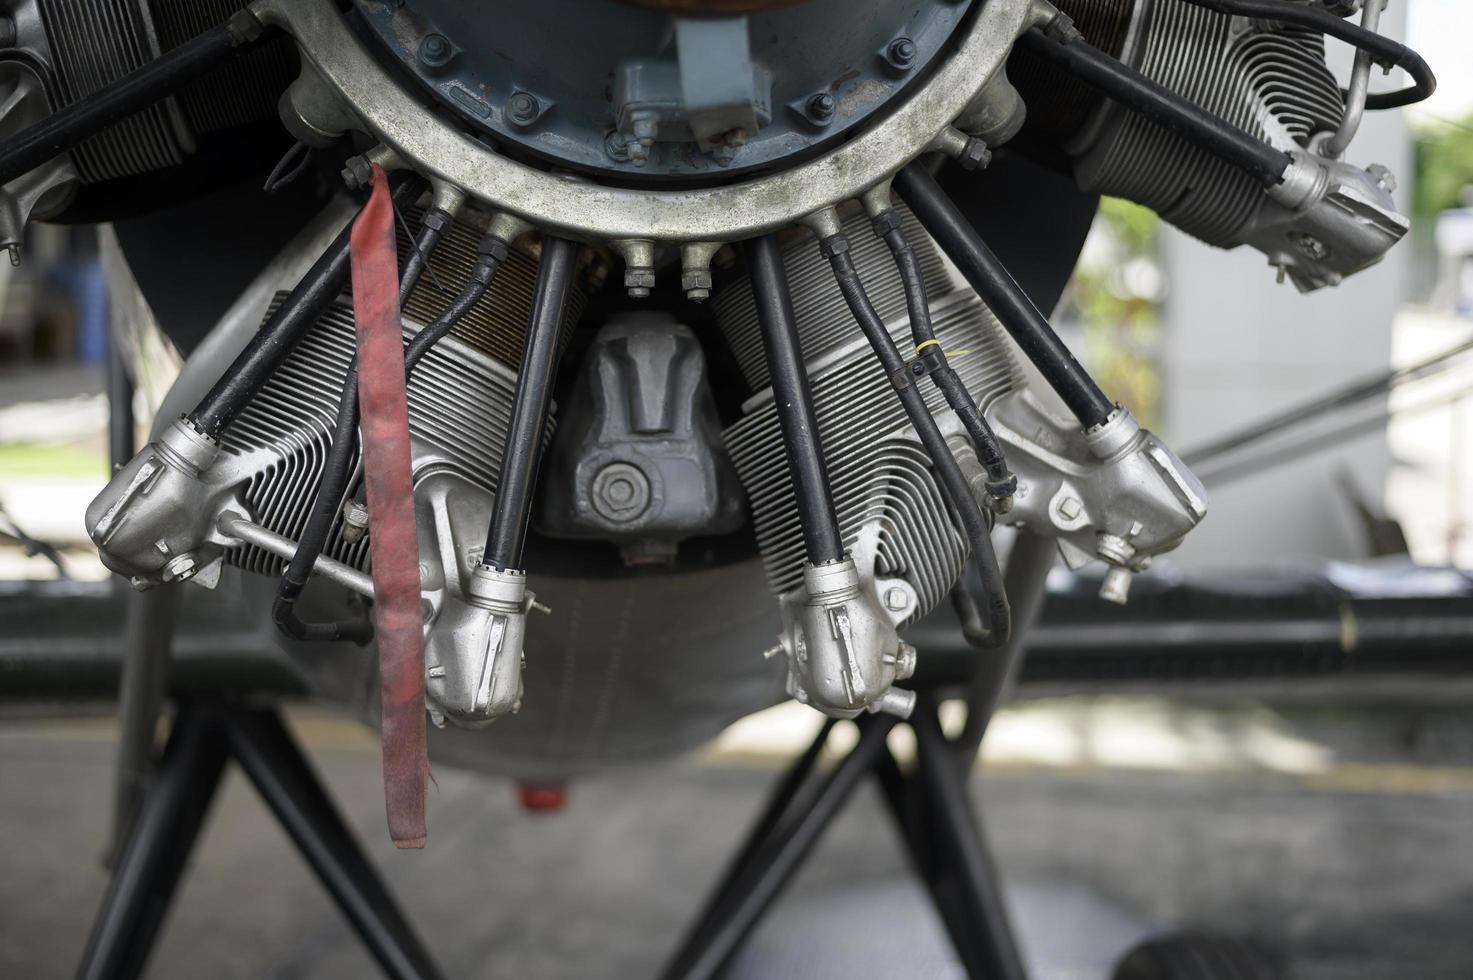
pixel 1444 166
pixel 1115 297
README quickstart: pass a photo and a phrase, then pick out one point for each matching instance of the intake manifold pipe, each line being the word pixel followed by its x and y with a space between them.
pixel 842 650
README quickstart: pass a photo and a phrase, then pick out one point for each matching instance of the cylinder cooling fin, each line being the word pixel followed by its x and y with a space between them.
pixel 889 506
pixel 94 43
pixel 1268 80
pixel 460 397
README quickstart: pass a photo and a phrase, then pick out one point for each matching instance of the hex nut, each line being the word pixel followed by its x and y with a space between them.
pixel 620 492
pixel 523 108
pixel 901 53
pixel 821 108
pixel 435 51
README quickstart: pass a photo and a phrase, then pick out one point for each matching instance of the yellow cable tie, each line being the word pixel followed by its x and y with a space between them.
pixel 950 353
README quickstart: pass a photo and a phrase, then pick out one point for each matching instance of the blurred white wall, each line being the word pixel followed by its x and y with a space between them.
pixel 1237 346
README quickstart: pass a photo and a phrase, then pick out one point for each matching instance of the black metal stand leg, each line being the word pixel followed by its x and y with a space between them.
pixel 906 806
pixel 168 822
pixel 952 825
pixel 936 822
pixel 776 809
pixel 149 629
pixel 743 897
pixel 164 831
pixel 285 780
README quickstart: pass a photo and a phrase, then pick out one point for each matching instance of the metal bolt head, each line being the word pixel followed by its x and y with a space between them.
pixel 1310 245
pixel 821 107
pixel 357 172
pixel 620 492
pixel 355 521
pixel 974 155
pixel 1069 508
pixel 1384 178
pixel 697 284
pixel 180 569
pixel 901 53
pixel 523 108
pixel 639 281
pixel 435 51
pixel 616 146
pixel 896 599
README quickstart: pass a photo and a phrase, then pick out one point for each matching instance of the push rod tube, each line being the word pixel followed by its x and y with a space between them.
pixel 987 275
pixel 334 483
pixel 523 453
pixel 794 401
pixel 1138 93
pixel 297 314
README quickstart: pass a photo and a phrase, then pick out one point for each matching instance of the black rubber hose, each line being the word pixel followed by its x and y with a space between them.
pixel 137 90
pixel 1022 320
pixel 522 454
pixel 1138 93
pixel 1383 50
pixel 336 468
pixel 431 228
pixel 1000 480
pixel 794 401
pixel 997 624
pixel 297 314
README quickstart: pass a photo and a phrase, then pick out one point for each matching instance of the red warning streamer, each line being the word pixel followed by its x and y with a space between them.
pixel 393 544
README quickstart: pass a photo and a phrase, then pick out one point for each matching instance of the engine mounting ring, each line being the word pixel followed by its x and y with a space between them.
pixel 595 212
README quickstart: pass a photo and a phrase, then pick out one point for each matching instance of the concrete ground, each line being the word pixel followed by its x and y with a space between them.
pixel 1360 866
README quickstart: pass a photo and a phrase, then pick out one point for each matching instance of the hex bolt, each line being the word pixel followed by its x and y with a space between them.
pixel 357 172
pixel 435 51
pixel 901 53
pixel 355 521
pixel 821 108
pixel 1384 178
pixel 523 108
pixel 639 267
pixel 180 569
pixel 695 269
pixel 974 155
pixel 616 146
pixel 620 493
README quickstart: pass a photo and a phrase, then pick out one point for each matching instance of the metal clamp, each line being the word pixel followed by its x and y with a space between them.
pixel 929 360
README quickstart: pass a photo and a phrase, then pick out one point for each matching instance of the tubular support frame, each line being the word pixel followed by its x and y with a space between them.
pixel 1022 320
pixel 794 401
pixel 297 314
pixel 523 451
pixel 998 626
pixel 204 738
pixel 736 908
pixel 936 823
pixel 1140 94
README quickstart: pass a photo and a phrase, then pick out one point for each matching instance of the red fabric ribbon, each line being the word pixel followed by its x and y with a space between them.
pixel 393 543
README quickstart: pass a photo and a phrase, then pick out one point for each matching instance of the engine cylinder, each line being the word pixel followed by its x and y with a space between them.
pixel 888 501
